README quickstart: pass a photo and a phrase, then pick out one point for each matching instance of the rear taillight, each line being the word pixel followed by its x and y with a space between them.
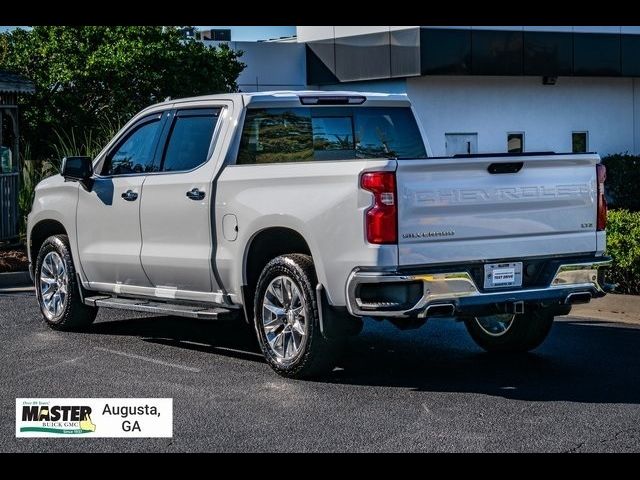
pixel 381 219
pixel 601 174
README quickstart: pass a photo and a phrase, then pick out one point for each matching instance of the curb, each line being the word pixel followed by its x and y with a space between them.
pixel 612 307
pixel 15 279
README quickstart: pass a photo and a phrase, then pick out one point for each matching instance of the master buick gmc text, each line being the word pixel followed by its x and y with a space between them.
pixel 304 213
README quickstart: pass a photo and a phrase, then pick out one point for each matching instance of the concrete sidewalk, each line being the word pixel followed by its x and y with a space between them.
pixel 612 307
pixel 14 282
pixel 15 279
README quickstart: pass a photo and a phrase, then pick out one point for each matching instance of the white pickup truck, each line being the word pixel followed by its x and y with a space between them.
pixel 305 212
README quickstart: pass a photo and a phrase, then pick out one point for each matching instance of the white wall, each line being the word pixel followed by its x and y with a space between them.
pixel 311 33
pixel 270 65
pixel 396 85
pixel 493 106
pixel 307 34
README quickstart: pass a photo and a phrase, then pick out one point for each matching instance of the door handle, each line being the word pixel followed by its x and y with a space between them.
pixel 129 195
pixel 195 194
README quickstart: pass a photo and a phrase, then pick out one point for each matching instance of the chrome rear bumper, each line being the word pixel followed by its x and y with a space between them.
pixel 457 291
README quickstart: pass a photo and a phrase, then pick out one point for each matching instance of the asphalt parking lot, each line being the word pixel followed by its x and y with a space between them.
pixel 426 390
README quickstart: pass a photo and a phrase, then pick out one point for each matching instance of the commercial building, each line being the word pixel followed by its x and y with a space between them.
pixel 476 88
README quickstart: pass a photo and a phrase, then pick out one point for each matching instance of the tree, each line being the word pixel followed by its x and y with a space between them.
pixel 86 77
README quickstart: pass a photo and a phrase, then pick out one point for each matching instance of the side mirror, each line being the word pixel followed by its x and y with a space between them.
pixel 79 169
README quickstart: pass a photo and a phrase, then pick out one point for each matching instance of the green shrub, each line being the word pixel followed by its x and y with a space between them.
pixel 33 171
pixel 86 141
pixel 623 178
pixel 623 244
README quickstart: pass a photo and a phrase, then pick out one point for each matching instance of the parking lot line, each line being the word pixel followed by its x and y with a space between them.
pixel 49 367
pixel 149 359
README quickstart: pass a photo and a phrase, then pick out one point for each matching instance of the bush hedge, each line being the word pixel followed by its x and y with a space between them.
pixel 623 178
pixel 623 244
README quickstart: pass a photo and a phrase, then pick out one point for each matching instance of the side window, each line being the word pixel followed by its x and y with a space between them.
pixel 276 135
pixel 189 139
pixel 134 154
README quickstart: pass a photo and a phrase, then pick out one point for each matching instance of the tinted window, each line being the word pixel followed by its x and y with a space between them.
pixel 496 52
pixel 387 132
pixel 189 141
pixel 276 135
pixel 334 133
pixel 333 138
pixel 596 54
pixel 548 53
pixel 136 153
pixel 444 51
pixel 579 142
pixel 630 55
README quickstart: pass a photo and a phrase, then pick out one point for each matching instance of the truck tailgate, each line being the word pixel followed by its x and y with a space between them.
pixel 455 210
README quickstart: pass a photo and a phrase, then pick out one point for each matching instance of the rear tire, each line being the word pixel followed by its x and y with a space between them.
pixel 57 287
pixel 518 333
pixel 286 319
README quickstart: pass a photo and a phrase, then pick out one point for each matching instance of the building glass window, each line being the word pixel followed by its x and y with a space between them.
pixel 579 142
pixel 496 52
pixel 548 53
pixel 596 54
pixel 515 142
pixel 445 52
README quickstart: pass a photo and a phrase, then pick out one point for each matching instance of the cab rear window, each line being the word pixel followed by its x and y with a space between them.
pixel 302 134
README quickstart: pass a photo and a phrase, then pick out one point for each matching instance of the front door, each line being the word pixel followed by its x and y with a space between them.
pixel 108 217
pixel 176 221
pixel 461 143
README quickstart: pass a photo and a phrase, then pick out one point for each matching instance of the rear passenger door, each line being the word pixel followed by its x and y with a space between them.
pixel 175 211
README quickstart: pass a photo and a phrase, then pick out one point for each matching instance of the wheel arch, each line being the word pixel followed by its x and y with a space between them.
pixel 40 232
pixel 265 245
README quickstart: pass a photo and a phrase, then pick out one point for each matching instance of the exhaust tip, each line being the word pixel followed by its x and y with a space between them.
pixel 577 298
pixel 441 310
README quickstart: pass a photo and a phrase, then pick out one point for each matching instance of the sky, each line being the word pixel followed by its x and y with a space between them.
pixel 252 33
pixel 240 33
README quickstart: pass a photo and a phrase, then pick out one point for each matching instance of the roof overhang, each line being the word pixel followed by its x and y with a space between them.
pixel 15 83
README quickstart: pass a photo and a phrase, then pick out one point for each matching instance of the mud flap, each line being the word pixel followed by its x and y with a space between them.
pixel 335 323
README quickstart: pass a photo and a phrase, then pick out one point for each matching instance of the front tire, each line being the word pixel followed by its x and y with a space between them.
pixel 510 332
pixel 57 287
pixel 286 319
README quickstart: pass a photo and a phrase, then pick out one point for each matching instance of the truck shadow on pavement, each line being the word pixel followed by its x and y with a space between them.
pixel 581 361
pixel 231 338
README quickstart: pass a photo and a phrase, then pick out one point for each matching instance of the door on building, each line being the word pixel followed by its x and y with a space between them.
pixel 461 143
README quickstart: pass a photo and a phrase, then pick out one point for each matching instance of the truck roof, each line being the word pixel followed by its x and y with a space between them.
pixel 289 96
